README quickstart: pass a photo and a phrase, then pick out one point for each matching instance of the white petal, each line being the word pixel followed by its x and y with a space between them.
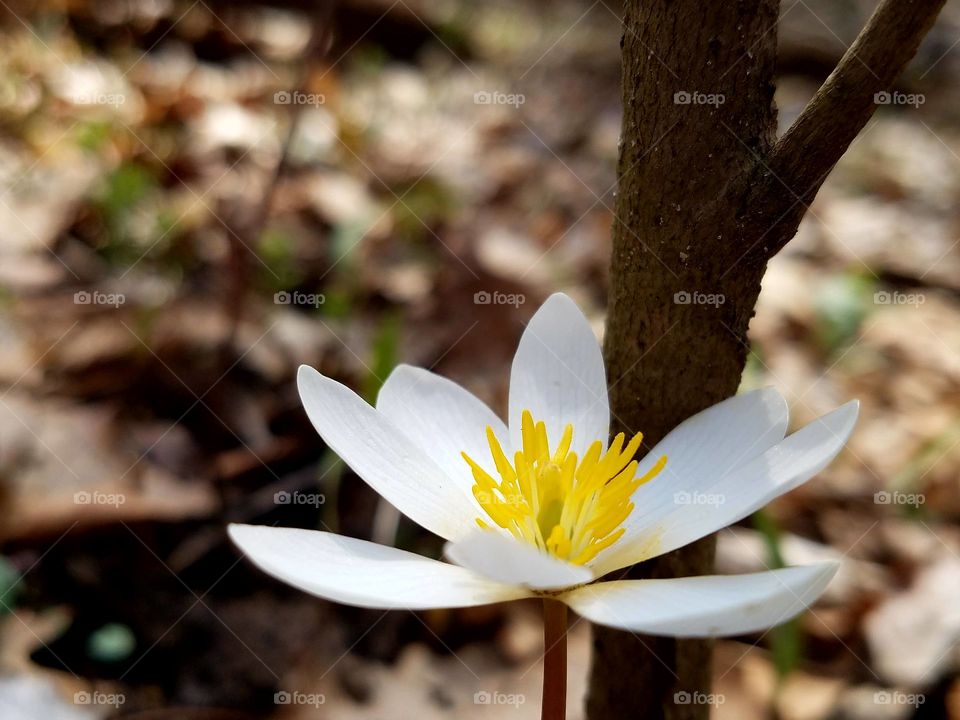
pixel 558 376
pixel 707 606
pixel 699 450
pixel 510 561
pixel 443 419
pixel 722 437
pixel 718 500
pixel 361 573
pixel 385 457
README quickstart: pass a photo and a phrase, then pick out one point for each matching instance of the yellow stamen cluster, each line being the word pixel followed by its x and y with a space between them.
pixel 569 507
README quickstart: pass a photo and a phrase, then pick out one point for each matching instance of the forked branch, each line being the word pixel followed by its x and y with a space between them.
pixel 845 102
pixel 788 179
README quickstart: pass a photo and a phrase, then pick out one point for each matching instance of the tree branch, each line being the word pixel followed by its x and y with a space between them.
pixel 845 102
pixel 774 194
pixel 847 99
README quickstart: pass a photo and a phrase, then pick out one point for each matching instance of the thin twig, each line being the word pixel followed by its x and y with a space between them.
pixel 248 241
pixel 848 98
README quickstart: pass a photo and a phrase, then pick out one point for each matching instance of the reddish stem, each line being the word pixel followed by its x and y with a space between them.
pixel 554 660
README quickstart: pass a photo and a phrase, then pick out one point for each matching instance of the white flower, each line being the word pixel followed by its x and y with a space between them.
pixel 542 506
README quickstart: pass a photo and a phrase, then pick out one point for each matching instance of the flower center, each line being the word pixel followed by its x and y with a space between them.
pixel 569 507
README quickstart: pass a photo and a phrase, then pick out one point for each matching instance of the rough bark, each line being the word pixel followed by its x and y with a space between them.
pixel 666 360
pixel 699 210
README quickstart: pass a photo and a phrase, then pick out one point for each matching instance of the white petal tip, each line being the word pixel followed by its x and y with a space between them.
pixel 560 304
pixel 559 297
pixel 244 535
pixel 806 583
pixel 854 406
pixel 842 420
pixel 403 368
pixel 306 373
pixel 851 408
pixel 823 572
pixel 308 379
pixel 772 397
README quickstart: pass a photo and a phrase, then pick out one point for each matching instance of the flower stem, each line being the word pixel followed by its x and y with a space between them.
pixel 554 660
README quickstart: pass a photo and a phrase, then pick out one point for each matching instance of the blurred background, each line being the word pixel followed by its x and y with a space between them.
pixel 194 200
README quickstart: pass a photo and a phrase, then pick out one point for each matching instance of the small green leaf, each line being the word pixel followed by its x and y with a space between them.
pixel 384 355
pixel 111 643
pixel 842 302
pixel 9 585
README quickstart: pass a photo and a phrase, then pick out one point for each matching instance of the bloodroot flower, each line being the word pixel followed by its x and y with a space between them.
pixel 543 506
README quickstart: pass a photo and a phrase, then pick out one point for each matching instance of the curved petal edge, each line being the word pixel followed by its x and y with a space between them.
pixel 706 606
pixel 364 574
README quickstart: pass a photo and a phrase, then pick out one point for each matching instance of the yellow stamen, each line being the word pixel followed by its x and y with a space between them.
pixel 569 507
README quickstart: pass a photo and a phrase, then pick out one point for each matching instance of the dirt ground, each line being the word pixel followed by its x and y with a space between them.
pixel 193 205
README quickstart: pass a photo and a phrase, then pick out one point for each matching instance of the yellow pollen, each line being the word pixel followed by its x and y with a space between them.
pixel 567 506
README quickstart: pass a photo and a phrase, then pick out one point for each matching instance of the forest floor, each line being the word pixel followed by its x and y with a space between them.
pixel 452 164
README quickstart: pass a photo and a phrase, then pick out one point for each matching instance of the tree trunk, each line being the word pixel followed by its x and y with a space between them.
pixel 667 360
pixel 698 215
